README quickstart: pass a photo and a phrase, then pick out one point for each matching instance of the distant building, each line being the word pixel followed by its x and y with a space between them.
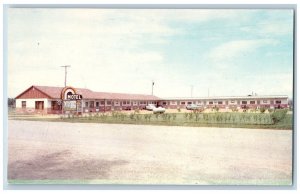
pixel 50 100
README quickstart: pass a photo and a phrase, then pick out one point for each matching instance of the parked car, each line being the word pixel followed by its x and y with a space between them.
pixel 159 110
pixel 192 107
pixel 150 107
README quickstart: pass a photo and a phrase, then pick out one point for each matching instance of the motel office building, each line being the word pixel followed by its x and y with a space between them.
pixel 48 100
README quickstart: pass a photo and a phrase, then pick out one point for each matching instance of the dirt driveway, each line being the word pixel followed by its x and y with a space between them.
pixel 137 154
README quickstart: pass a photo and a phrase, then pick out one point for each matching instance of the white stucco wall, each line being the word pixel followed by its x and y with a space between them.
pixel 30 103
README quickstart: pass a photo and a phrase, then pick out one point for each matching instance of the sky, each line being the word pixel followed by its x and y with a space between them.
pixel 185 52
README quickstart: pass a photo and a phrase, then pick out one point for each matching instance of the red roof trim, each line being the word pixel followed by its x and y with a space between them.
pixel 31 88
pixel 55 92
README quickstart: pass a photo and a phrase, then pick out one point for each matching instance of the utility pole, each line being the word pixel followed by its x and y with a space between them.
pixel 152 88
pixel 66 66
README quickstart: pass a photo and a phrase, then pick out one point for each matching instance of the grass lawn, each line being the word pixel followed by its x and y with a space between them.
pixel 217 119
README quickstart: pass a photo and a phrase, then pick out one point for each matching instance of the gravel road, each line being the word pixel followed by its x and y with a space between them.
pixel 138 154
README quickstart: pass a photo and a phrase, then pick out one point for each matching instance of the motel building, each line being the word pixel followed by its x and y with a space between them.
pixel 58 100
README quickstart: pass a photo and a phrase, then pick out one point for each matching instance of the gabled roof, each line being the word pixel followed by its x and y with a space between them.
pixel 55 92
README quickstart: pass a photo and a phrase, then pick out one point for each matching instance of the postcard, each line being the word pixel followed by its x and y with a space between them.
pixel 150 96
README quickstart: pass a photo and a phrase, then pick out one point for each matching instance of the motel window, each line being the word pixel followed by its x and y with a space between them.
pixel 194 102
pixel 91 104
pixel 232 101
pixel 97 104
pixel 182 103
pixel 189 102
pixel 265 101
pixel 23 104
pixel 278 101
pixel 86 104
pixel 272 101
pixel 108 102
pixel 252 102
pixel 211 102
pixel 244 102
pixel 164 103
pixel 102 102
pixel 220 102
pixel 116 102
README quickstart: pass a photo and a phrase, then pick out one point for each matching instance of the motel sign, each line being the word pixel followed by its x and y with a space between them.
pixel 74 97
pixel 71 100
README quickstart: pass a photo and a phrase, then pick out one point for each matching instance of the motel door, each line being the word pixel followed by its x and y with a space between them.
pixel 39 105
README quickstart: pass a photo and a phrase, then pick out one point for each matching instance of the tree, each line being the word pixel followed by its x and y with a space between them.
pixel 11 102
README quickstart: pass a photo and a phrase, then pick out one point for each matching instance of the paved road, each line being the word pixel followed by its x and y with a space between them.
pixel 113 153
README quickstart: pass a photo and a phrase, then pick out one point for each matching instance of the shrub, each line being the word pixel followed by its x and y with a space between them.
pixel 178 109
pixel 197 116
pixel 278 115
pixel 166 117
pixel 131 116
pixel 262 110
pixel 113 113
pixel 174 116
pixel 234 109
pixel 186 115
pixel 102 116
pixel 205 117
pixel 147 117
pixel 137 117
pixel 156 116
pixel 190 115
pixel 270 110
pixel 122 116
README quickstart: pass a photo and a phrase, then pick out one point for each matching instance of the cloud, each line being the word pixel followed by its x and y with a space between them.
pixel 124 50
pixel 270 29
pixel 226 54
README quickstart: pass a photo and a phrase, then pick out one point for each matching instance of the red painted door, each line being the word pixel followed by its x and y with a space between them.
pixel 39 105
